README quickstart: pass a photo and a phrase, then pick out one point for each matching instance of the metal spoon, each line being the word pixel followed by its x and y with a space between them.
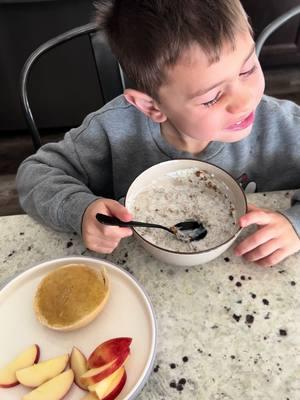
pixel 186 231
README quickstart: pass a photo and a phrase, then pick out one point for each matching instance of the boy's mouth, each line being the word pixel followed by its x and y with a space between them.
pixel 242 124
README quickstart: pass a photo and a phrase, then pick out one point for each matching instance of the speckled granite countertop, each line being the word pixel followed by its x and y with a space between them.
pixel 227 329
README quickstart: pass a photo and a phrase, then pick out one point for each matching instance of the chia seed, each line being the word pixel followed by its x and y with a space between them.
pixel 236 317
pixel 282 332
pixel 249 319
pixel 179 387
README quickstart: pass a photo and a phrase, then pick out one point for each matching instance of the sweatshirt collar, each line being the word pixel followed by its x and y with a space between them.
pixel 209 152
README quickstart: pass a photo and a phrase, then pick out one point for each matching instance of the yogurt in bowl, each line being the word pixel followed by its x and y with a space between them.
pixel 178 190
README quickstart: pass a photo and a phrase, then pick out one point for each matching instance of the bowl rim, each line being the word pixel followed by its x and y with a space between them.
pixel 234 181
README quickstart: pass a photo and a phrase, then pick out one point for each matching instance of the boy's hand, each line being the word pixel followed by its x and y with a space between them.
pixel 274 240
pixel 103 238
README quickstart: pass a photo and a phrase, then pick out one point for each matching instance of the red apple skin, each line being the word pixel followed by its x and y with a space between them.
pixel 104 372
pixel 112 395
pixel 9 385
pixel 37 357
pixel 107 351
pixel 38 353
pixel 97 376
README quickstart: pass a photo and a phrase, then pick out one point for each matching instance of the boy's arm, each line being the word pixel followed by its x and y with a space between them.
pixel 293 213
pixel 57 184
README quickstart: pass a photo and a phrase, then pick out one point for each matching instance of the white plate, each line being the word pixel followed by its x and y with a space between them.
pixel 128 312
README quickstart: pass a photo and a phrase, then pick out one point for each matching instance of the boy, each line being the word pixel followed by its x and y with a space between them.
pixel 198 94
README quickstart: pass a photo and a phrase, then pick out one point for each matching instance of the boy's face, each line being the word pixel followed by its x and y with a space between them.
pixel 205 102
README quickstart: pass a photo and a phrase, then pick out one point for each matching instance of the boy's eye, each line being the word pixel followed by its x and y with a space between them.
pixel 249 72
pixel 217 98
pixel 212 102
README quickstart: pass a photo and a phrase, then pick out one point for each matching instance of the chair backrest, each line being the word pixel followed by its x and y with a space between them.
pixel 273 26
pixel 111 78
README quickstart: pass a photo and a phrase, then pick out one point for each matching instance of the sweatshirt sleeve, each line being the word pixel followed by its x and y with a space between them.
pixel 293 213
pixel 57 184
pixel 278 161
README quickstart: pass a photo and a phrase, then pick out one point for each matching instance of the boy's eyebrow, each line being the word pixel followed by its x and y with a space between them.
pixel 203 91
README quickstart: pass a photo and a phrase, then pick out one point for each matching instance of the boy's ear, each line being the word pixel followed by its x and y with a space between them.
pixel 145 104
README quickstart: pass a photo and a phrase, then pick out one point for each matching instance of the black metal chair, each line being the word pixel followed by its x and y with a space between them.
pixel 111 78
pixel 273 26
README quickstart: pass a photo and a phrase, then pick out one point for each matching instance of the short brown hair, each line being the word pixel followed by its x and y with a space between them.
pixel 147 36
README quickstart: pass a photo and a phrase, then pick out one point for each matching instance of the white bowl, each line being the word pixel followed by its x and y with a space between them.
pixel 233 190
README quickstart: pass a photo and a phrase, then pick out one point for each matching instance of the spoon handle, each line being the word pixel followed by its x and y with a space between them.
pixel 114 221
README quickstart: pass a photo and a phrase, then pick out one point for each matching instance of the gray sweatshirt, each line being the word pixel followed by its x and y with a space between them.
pixel 115 144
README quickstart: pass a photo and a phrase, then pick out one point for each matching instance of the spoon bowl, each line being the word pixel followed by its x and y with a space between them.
pixel 187 231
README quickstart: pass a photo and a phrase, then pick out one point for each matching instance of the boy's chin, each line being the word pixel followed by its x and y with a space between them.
pixel 235 136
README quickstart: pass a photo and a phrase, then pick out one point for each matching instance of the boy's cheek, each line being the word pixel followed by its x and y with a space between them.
pixel 261 83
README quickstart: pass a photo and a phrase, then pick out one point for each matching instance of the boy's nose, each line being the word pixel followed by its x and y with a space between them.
pixel 240 101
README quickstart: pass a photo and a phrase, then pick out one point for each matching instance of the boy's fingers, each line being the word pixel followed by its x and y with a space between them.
pixel 273 258
pixel 262 251
pixel 97 242
pixel 125 232
pixel 114 233
pixel 106 237
pixel 258 217
pixel 117 210
pixel 258 238
pixel 102 249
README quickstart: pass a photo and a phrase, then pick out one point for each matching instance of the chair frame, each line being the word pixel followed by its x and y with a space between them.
pixel 91 30
pixel 273 26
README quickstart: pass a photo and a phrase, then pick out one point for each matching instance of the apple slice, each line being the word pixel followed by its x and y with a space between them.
pixel 78 364
pixel 95 375
pixel 44 371
pixel 90 396
pixel 55 389
pixel 108 351
pixel 28 357
pixel 110 387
